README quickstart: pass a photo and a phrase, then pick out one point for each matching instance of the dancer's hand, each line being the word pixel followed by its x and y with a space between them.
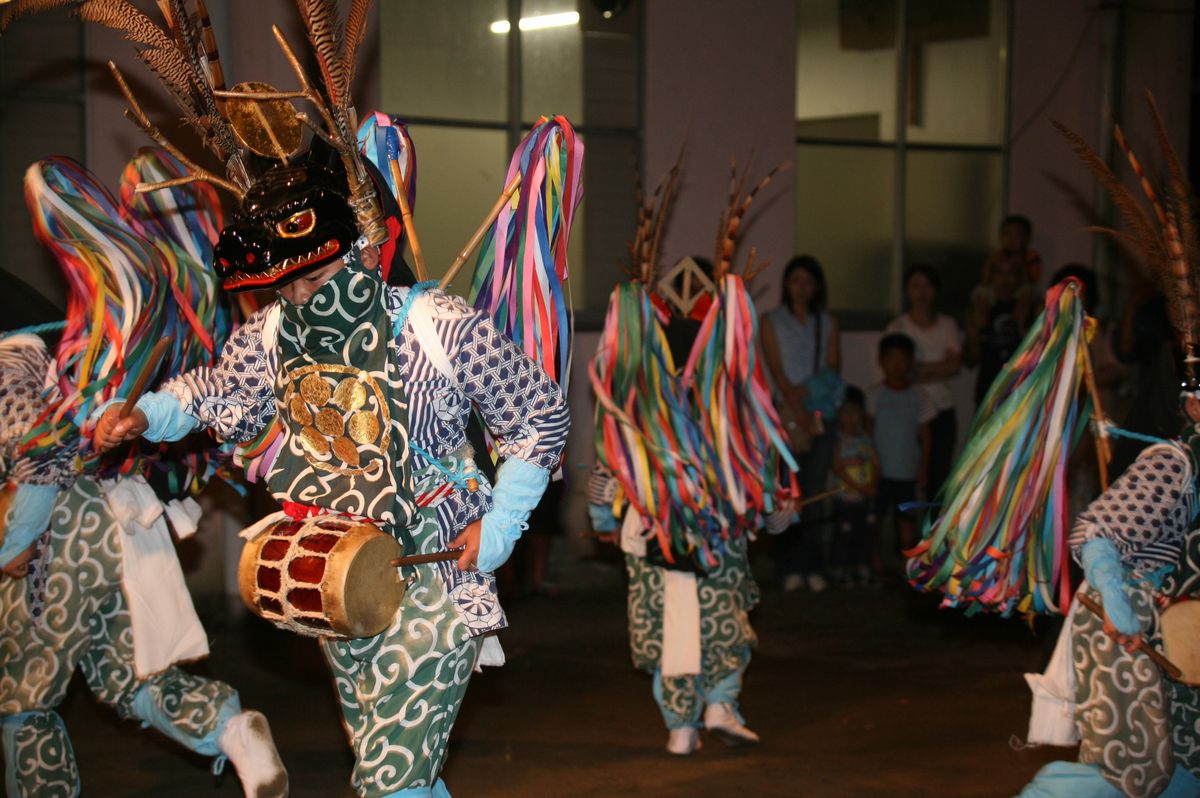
pixel 18 567
pixel 468 541
pixel 1128 642
pixel 112 430
pixel 370 257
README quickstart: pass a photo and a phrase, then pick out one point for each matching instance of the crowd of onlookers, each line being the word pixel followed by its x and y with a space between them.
pixel 882 452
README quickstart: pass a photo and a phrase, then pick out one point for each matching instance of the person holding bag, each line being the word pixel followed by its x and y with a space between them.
pixel 803 356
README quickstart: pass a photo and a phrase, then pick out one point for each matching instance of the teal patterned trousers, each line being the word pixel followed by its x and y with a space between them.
pixel 400 691
pixel 726 594
pixel 85 624
pixel 1137 725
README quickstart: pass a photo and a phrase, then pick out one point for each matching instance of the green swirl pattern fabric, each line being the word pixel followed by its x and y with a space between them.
pixel 727 594
pixel 343 332
pixel 401 690
pixel 1136 724
pixel 85 625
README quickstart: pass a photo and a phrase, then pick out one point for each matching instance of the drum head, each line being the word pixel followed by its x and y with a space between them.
pixel 1181 638
pixel 371 589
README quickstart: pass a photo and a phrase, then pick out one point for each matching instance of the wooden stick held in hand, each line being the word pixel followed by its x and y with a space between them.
pixel 420 559
pixel 1150 651
pixel 143 379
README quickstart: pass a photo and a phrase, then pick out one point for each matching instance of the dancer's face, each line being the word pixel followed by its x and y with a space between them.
pixel 300 290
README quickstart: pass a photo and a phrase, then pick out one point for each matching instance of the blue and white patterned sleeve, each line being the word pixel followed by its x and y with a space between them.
pixel 24 392
pixel 234 398
pixel 524 409
pixel 1146 512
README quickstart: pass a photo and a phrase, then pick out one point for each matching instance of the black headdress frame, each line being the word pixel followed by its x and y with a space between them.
pixel 255 131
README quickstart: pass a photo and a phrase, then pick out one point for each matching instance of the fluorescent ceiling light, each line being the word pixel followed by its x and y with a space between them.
pixel 538 22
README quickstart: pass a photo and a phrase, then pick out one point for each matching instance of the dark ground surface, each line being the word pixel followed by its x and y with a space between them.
pixel 855 693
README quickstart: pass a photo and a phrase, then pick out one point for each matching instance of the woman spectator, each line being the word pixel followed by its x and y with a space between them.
pixel 800 345
pixel 939 357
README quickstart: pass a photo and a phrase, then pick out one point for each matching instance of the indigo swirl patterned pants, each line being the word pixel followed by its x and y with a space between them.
pixel 1137 725
pixel 400 691
pixel 83 621
pixel 726 594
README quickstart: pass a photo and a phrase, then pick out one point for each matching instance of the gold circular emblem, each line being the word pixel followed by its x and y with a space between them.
pixel 350 394
pixel 314 442
pixel 345 449
pixel 329 421
pixel 314 390
pixel 268 127
pixel 364 428
pixel 300 412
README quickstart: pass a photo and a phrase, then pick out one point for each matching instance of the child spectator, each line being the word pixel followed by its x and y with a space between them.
pixel 856 471
pixel 1015 234
pixel 902 416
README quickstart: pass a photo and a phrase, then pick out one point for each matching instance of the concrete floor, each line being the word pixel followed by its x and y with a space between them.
pixel 855 693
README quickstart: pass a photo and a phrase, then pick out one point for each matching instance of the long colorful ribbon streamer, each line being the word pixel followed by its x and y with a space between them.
pixel 999 543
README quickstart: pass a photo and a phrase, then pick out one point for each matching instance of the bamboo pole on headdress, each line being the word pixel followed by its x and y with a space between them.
pixel 410 230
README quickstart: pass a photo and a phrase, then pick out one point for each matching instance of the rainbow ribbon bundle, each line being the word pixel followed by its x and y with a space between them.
pixel 182 222
pixel 521 271
pixel 137 273
pixel 733 402
pixel 1000 542
pixel 647 433
pixel 385 141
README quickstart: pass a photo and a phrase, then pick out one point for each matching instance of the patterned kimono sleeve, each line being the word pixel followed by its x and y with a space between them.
pixel 1146 512
pixel 234 398
pixel 524 409
pixel 26 388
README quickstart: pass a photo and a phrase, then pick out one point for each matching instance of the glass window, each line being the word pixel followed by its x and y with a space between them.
pixel 944 164
pixel 846 70
pixel 844 212
pixel 444 63
pixel 460 173
pixel 551 60
pixel 954 203
pixel 445 66
pixel 957 71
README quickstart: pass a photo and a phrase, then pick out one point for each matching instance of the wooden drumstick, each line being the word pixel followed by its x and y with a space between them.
pixel 143 379
pixel 421 559
pixel 1150 651
pixel 820 497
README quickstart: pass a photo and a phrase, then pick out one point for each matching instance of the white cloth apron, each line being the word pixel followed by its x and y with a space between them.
pixel 165 627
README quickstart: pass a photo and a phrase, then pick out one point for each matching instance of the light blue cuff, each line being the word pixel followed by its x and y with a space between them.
pixel 518 489
pixel 602 518
pixel 438 790
pixel 147 707
pixel 1184 784
pixel 1069 780
pixel 28 517
pixel 164 414
pixel 1103 569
